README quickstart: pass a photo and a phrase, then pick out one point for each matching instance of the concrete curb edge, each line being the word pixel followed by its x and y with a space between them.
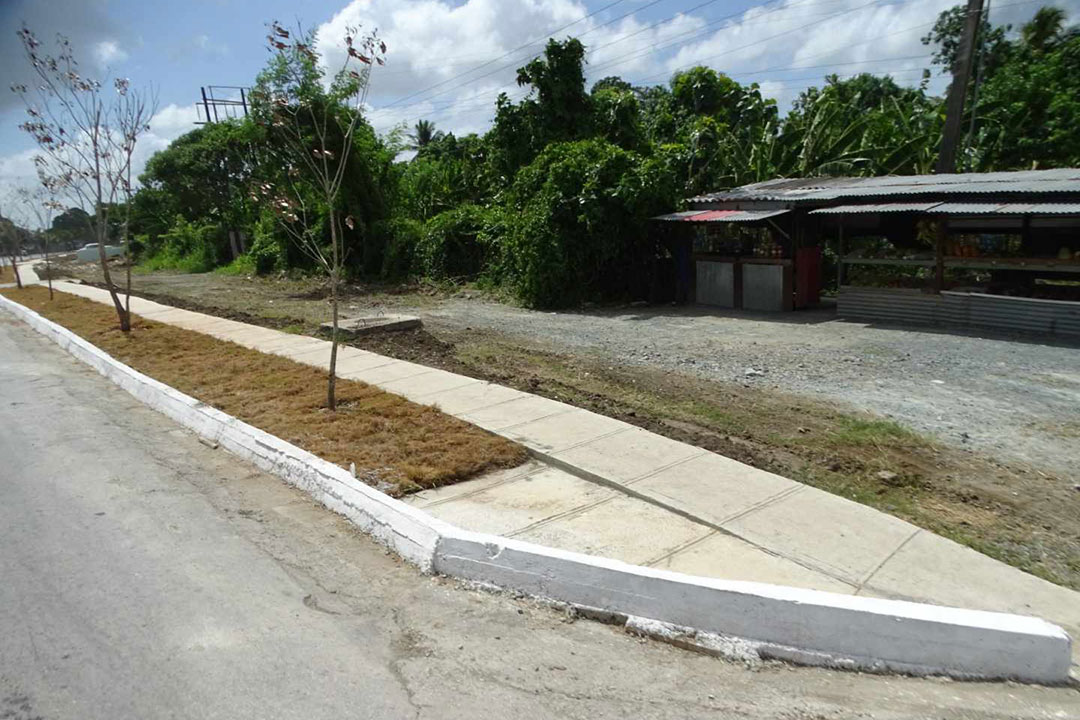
pixel 805 626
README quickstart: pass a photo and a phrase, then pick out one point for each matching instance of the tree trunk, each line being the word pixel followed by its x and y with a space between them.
pixel 48 267
pixel 335 271
pixel 15 269
pixel 127 263
pixel 102 235
pixel 331 399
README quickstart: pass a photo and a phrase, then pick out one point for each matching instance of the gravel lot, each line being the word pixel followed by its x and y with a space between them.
pixel 1016 398
pixel 1011 397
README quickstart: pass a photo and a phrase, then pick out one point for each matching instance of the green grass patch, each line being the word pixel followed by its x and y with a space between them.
pixel 241 266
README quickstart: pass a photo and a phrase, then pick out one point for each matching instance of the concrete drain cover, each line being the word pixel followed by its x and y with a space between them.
pixel 355 326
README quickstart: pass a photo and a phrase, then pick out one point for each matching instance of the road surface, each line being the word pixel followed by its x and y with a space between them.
pixel 145 575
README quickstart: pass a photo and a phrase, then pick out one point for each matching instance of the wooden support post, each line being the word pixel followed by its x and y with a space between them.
pixel 840 257
pixel 954 103
pixel 939 257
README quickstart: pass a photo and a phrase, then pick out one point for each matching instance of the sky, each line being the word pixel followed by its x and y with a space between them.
pixel 447 60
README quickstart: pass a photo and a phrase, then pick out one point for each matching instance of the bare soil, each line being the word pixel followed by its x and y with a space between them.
pixel 668 371
pixel 395 445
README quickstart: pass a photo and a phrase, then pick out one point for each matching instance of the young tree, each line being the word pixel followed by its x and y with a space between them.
pixel 42 204
pixel 310 131
pixel 87 136
pixel 9 234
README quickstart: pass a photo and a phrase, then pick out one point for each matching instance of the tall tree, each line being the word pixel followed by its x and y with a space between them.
pixel 311 131
pixel 86 134
pixel 423 134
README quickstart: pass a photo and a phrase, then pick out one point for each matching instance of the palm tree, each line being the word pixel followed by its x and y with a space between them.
pixel 1046 26
pixel 424 134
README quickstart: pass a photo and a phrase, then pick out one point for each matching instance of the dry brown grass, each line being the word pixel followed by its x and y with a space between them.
pixel 7 274
pixel 391 441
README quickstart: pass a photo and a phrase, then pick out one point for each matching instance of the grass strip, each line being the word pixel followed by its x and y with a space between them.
pixel 396 445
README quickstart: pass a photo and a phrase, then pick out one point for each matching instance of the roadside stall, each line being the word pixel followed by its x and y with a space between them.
pixel 995 249
pixel 736 259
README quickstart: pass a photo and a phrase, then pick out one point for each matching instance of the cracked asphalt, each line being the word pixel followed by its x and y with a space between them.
pixel 146 575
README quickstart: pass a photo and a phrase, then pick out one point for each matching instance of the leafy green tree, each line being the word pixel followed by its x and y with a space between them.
pixel 72 229
pixel 558 108
pixel 1027 108
pixel 204 177
pixel 617 116
pixel 578 224
pixel 866 125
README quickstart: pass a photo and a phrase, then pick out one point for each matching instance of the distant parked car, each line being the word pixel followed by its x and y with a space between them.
pixel 89 252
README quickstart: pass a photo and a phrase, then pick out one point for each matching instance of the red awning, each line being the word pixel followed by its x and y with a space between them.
pixel 721 215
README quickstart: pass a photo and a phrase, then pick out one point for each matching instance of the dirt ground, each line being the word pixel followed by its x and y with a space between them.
pixel 975 438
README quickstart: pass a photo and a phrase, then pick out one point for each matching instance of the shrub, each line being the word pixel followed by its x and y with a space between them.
pixel 405 234
pixel 457 243
pixel 578 224
pixel 267 250
pixel 185 246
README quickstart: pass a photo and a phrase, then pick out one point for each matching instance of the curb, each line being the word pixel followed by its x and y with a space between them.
pixel 804 626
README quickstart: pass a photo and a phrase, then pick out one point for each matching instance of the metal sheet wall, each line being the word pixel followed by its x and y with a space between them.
pixel 996 312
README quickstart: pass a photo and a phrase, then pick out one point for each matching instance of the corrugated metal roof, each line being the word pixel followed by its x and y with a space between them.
pixel 721 215
pixel 684 215
pixel 1007 208
pixel 1063 180
pixel 875 208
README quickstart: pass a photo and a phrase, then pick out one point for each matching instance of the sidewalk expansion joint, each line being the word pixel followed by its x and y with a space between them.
pixel 472 493
pixel 652 500
pixel 570 409
pixel 772 499
pixel 469 381
pixel 605 436
pixel 662 468
pixel 561 516
pixel 890 556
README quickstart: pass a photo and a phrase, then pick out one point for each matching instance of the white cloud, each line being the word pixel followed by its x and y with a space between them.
pixel 86 24
pixel 795 42
pixel 108 52
pixel 170 122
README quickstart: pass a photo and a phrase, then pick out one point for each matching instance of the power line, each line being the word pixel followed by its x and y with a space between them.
pixel 771 69
pixel 504 67
pixel 758 42
pixel 476 103
pixel 507 54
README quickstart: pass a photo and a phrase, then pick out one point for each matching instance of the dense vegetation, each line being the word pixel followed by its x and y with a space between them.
pixel 550 204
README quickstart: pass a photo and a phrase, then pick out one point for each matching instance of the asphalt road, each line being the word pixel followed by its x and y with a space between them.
pixel 145 575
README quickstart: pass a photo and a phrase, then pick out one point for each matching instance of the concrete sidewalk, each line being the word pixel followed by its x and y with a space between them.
pixel 605 487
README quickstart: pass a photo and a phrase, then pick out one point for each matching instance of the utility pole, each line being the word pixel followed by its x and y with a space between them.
pixel 954 105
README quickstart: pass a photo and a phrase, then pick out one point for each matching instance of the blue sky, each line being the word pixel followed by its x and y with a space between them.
pixel 448 59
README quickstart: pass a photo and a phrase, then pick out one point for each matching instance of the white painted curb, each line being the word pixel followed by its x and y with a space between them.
pixel 805 626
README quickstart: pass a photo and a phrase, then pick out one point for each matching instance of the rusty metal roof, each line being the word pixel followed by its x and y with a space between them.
pixel 875 208
pixel 939 208
pixel 1007 208
pixel 720 215
pixel 1026 182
